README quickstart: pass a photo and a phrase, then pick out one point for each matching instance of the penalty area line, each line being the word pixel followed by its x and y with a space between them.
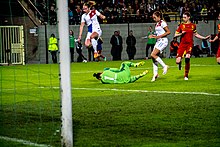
pixel 25 142
pixel 147 91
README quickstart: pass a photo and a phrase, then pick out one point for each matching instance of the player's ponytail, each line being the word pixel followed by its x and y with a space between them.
pixel 89 4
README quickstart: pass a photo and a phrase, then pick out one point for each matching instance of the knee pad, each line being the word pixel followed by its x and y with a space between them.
pixel 187 60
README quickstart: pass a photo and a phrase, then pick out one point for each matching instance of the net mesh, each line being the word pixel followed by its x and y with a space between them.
pixel 29 90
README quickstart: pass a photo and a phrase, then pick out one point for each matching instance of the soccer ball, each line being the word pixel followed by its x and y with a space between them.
pixel 85 61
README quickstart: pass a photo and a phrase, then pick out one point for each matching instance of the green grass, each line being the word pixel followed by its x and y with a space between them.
pixel 168 112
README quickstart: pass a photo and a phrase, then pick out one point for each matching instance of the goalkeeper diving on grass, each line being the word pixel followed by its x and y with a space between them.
pixel 122 75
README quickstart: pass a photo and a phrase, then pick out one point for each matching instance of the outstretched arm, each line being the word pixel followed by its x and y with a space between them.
pixel 102 16
pixel 81 30
pixel 200 36
pixel 177 34
pixel 216 37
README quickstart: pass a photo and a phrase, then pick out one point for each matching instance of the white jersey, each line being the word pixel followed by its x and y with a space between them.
pixel 161 43
pixel 91 20
pixel 159 28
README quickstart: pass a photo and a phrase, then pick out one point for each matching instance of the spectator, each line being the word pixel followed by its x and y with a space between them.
pixel 174 45
pixel 114 15
pixel 150 42
pixel 78 15
pixel 53 48
pixel 72 45
pixel 116 49
pixel 194 11
pixel 99 49
pixel 53 15
pixel 81 57
pixel 131 42
pixel 71 17
pixel 204 13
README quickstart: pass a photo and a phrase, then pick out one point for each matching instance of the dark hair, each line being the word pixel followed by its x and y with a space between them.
pixel 187 14
pixel 52 35
pixel 158 14
pixel 97 75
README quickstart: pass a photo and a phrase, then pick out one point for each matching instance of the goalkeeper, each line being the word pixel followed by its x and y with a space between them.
pixel 122 75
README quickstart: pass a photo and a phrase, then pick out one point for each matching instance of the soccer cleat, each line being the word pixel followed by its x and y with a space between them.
pixel 96 55
pixel 154 78
pixel 139 64
pixel 165 69
pixel 186 78
pixel 104 59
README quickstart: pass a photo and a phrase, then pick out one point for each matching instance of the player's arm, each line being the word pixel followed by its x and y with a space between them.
pixel 177 33
pixel 197 35
pixel 102 16
pixel 167 32
pixel 81 30
pixel 216 37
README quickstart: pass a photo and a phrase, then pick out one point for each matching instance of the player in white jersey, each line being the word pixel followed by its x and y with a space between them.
pixel 94 31
pixel 162 31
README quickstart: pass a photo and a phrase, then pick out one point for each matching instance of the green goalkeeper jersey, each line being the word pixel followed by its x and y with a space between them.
pixel 115 75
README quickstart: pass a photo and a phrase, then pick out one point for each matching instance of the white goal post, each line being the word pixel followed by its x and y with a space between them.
pixel 65 80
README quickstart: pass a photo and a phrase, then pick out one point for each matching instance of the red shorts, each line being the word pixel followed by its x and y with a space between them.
pixel 184 47
pixel 218 53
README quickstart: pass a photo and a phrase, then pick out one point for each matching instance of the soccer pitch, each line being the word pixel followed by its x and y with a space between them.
pixel 168 112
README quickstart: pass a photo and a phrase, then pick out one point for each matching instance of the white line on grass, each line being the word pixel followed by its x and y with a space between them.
pixel 126 90
pixel 147 91
pixel 25 142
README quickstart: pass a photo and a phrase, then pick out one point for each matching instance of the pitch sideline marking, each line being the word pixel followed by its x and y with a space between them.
pixel 126 90
pixel 25 142
pixel 147 91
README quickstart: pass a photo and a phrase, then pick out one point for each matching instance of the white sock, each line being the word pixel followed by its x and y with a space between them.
pixel 94 44
pixel 155 68
pixel 159 60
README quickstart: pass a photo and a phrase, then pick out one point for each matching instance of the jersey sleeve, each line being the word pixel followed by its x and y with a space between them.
pixel 97 13
pixel 83 18
pixel 194 28
pixel 164 24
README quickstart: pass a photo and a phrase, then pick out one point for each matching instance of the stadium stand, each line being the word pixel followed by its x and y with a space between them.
pixel 117 11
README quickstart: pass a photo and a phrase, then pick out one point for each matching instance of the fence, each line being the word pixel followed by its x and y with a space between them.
pixel 12 45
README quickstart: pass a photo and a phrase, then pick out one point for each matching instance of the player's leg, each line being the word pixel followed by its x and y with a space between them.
pixel 187 66
pixel 159 47
pixel 155 70
pixel 218 56
pixel 88 41
pixel 180 55
pixel 135 78
pixel 94 42
pixel 187 61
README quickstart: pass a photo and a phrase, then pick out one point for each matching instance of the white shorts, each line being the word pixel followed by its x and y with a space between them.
pixel 99 31
pixel 161 44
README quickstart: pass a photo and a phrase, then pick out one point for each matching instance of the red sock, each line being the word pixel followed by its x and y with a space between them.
pixel 187 67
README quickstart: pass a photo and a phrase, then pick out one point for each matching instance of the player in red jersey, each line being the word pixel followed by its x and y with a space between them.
pixel 186 30
pixel 217 37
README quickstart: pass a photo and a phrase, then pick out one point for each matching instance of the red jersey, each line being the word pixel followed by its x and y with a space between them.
pixel 189 30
